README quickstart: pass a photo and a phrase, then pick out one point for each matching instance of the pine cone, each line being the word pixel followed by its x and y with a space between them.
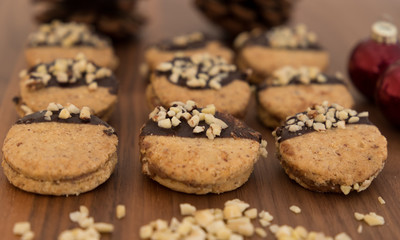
pixel 113 18
pixel 237 16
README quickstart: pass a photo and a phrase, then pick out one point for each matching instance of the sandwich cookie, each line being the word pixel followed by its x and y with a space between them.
pixel 266 51
pixel 186 46
pixel 291 90
pixel 329 148
pixel 202 78
pixel 76 81
pixel 66 40
pixel 59 151
pixel 198 150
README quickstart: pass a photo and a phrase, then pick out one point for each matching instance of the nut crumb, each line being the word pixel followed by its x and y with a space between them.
pixel 120 211
pixel 295 209
pixel 381 201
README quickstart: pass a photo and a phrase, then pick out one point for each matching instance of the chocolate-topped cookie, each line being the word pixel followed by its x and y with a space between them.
pixel 329 148
pixel 65 40
pixel 76 81
pixel 186 46
pixel 202 78
pixel 291 90
pixel 59 151
pixel 198 150
pixel 266 51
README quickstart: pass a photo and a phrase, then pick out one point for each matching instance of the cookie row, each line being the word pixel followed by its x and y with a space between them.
pixel 285 64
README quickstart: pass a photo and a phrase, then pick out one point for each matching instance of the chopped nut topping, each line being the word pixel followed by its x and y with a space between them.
pixel 302 75
pixel 345 189
pixel 70 34
pixel 85 113
pixel 320 118
pixel 66 71
pixel 64 114
pixel 198 71
pixel 285 37
pixel 188 111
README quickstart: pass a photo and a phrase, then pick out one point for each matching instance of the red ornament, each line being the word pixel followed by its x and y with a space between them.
pixel 388 93
pixel 371 57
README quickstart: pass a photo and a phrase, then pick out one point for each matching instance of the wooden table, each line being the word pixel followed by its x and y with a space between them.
pixel 340 24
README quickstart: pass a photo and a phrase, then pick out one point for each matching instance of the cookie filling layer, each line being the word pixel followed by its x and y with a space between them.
pixel 70 73
pixel 195 40
pixel 71 114
pixel 196 123
pixel 200 71
pixel 319 118
pixel 71 34
pixel 297 38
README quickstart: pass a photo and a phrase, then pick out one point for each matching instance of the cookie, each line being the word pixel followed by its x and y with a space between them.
pixel 331 149
pixel 76 81
pixel 186 46
pixel 198 150
pixel 264 52
pixel 59 151
pixel 66 40
pixel 202 78
pixel 291 90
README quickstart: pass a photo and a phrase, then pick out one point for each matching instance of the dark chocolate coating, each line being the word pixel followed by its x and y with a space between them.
pixel 168 45
pixel 232 76
pixel 38 117
pixel 296 81
pixel 285 134
pixel 235 129
pixel 262 40
pixel 108 82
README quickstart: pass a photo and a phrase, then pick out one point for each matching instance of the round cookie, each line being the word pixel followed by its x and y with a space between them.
pixel 202 78
pixel 331 149
pixel 76 81
pixel 198 150
pixel 59 151
pixel 291 90
pixel 264 52
pixel 186 46
pixel 65 40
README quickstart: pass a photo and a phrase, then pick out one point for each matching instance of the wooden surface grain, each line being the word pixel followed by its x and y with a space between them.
pixel 339 24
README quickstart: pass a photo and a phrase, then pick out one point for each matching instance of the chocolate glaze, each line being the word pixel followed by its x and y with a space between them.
pixel 38 117
pixel 168 45
pixel 296 81
pixel 235 129
pixel 232 76
pixel 108 82
pixel 262 40
pixel 285 134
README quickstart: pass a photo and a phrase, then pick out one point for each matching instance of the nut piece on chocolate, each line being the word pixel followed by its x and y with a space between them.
pixel 65 40
pixel 203 78
pixel 306 86
pixel 68 80
pixel 58 151
pixel 266 51
pixel 329 148
pixel 186 46
pixel 198 150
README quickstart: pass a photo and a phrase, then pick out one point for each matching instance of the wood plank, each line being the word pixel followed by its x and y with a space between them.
pixel 339 24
